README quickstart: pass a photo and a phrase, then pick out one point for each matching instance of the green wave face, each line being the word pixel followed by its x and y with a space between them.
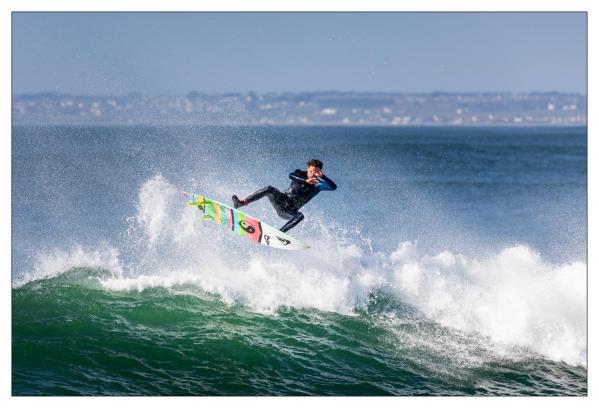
pixel 71 336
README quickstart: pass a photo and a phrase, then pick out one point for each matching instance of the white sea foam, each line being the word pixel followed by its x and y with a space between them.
pixel 153 207
pixel 58 261
pixel 512 297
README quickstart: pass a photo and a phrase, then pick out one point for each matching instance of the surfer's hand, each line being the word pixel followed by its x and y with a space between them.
pixel 312 180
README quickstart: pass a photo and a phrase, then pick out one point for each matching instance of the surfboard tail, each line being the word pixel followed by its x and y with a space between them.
pixel 190 197
pixel 194 200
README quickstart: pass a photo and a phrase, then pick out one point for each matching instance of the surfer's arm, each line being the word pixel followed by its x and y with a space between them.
pixel 326 183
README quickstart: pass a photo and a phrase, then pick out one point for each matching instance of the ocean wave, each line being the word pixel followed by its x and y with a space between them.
pixel 512 297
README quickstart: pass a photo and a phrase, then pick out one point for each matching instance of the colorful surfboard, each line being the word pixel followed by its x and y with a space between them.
pixel 243 224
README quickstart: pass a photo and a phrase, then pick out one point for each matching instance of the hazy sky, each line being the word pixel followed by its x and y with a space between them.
pixel 174 53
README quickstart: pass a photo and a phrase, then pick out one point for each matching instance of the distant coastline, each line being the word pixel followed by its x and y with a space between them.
pixel 309 108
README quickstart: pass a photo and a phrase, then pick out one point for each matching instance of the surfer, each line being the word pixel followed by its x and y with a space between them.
pixel 304 187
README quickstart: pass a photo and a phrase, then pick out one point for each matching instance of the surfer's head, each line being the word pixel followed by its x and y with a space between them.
pixel 314 168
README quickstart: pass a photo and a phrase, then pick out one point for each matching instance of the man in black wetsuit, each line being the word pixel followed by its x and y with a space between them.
pixel 304 187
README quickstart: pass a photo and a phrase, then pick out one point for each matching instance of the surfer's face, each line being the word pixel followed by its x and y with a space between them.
pixel 314 171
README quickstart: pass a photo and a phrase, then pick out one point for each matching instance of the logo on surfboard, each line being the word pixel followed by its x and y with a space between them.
pixel 247 227
pixel 284 241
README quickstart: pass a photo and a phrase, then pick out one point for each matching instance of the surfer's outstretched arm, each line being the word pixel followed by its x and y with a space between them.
pixel 325 183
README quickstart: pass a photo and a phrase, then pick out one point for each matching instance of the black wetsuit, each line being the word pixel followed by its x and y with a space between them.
pixel 288 202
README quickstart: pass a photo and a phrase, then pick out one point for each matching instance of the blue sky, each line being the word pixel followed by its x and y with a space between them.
pixel 174 53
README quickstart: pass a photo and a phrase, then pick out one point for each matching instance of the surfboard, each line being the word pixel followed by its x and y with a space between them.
pixel 243 224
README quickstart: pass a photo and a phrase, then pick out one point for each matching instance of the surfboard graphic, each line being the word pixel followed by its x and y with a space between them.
pixel 243 224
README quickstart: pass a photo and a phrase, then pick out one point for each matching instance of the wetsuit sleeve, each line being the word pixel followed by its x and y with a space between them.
pixel 326 183
pixel 297 176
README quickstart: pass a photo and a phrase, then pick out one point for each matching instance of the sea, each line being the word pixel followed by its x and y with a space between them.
pixel 449 261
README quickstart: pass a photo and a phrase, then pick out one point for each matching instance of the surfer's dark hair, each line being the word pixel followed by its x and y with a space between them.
pixel 315 163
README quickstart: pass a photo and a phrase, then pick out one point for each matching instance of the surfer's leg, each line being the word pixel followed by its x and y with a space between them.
pixel 297 218
pixel 269 191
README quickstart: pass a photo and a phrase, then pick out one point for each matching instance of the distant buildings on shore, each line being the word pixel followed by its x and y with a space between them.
pixel 312 108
